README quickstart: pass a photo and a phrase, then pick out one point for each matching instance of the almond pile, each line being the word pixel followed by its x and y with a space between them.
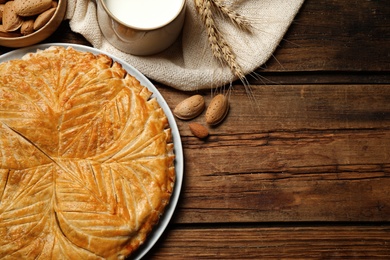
pixel 193 106
pixel 23 17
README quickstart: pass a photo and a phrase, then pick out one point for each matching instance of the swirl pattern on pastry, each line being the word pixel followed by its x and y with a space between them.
pixel 86 157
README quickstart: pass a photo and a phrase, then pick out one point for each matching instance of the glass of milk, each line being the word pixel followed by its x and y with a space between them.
pixel 141 27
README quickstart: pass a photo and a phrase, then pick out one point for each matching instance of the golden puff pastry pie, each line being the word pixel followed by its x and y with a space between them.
pixel 86 157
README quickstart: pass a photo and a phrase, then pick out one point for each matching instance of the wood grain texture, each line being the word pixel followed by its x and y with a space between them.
pixel 336 35
pixel 338 242
pixel 302 151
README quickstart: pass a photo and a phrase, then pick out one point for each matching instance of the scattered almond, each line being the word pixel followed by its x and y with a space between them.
pixel 43 18
pixel 217 109
pixel 31 7
pixel 190 107
pixel 198 130
pixel 11 21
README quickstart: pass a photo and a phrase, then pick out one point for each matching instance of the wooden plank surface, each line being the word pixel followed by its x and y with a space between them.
pixel 337 242
pixel 302 151
pixel 336 35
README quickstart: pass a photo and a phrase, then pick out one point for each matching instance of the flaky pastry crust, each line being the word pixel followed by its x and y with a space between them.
pixel 86 157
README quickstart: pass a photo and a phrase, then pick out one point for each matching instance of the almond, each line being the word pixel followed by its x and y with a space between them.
pixel 1 11
pixel 190 107
pixel 4 33
pixel 217 109
pixel 27 27
pixel 54 4
pixel 198 130
pixel 2 29
pixel 31 7
pixel 43 18
pixel 11 21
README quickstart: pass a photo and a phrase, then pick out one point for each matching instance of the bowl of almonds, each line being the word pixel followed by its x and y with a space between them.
pixel 27 22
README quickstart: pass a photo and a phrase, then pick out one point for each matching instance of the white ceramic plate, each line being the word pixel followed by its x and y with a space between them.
pixel 179 161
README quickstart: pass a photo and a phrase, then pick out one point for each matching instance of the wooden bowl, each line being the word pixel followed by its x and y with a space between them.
pixel 39 35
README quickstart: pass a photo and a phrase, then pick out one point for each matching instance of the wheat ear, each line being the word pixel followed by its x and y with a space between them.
pixel 237 19
pixel 219 46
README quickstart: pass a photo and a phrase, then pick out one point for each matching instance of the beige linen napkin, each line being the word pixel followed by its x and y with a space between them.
pixel 189 64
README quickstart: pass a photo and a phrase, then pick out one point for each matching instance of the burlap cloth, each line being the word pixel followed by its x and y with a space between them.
pixel 189 64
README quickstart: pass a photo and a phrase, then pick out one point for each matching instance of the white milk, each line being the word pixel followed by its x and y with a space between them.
pixel 145 14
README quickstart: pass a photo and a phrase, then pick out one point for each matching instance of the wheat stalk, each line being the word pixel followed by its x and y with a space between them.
pixel 219 46
pixel 237 19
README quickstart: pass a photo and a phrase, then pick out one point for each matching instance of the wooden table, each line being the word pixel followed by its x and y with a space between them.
pixel 306 173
